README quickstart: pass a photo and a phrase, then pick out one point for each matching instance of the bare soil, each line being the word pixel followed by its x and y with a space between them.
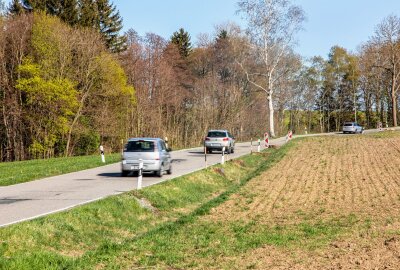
pixel 323 179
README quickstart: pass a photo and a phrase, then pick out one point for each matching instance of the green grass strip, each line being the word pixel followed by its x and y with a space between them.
pixel 99 233
pixel 24 171
pixel 108 252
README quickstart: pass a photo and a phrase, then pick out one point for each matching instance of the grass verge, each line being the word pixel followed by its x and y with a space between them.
pixel 24 171
pixel 97 234
pixel 384 134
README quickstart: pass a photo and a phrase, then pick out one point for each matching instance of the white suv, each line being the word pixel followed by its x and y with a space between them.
pixel 218 139
pixel 352 127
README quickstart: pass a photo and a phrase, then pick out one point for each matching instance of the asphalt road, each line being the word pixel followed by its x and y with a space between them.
pixel 49 195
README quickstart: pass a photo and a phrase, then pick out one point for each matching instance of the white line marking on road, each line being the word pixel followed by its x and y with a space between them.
pixel 55 211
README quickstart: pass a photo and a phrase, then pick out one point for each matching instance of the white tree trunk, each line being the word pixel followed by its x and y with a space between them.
pixel 271 115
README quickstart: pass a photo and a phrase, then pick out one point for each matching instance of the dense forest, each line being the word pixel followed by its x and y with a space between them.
pixel 70 81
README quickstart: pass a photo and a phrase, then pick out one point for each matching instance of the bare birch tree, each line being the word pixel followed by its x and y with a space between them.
pixel 272 25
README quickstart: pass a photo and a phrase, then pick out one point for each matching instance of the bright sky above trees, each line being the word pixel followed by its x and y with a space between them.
pixel 341 22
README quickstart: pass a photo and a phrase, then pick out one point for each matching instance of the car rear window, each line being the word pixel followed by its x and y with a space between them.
pixel 140 146
pixel 216 134
pixel 348 124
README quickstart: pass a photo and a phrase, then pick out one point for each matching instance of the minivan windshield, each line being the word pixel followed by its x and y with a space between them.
pixel 140 146
pixel 216 134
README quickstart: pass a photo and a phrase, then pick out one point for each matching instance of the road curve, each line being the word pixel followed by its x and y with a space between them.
pixel 53 194
pixel 29 200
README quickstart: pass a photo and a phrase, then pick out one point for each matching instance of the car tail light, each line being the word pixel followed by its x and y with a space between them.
pixel 207 139
pixel 226 139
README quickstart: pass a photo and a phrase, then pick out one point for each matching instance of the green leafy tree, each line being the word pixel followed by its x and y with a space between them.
pixel 74 87
pixel 181 39
pixel 340 91
pixel 50 101
pixel 114 101
pixel 98 14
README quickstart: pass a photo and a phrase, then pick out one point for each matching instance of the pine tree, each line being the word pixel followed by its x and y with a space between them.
pixel 16 8
pixel 43 5
pixel 98 14
pixel 110 23
pixel 88 14
pixel 69 11
pixel 181 39
pixel 223 34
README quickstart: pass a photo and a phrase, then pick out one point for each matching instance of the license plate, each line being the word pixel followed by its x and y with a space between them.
pixel 215 144
pixel 134 167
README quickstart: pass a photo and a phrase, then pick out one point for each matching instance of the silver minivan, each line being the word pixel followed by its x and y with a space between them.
pixel 154 153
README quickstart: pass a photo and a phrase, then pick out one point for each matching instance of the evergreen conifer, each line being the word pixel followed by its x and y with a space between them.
pixel 15 7
pixel 98 14
pixel 181 39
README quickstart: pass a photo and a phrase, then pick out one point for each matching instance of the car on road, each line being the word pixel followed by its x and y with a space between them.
pixel 352 127
pixel 153 152
pixel 218 139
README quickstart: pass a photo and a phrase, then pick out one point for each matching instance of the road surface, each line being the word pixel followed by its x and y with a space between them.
pixel 33 199
pixel 49 195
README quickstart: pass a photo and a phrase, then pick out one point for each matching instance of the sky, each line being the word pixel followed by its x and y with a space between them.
pixel 346 23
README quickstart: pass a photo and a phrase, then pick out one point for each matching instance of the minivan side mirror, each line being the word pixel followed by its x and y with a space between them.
pixel 169 149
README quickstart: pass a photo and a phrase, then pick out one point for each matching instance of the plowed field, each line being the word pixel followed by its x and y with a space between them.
pixel 335 199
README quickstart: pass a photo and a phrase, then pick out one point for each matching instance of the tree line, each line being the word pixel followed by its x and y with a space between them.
pixel 361 86
pixel 59 87
pixel 69 81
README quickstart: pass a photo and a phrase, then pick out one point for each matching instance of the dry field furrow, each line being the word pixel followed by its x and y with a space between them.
pixel 264 198
pixel 294 196
pixel 395 170
pixel 372 180
pixel 350 173
pixel 289 177
pixel 323 179
pixel 308 171
pixel 384 180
